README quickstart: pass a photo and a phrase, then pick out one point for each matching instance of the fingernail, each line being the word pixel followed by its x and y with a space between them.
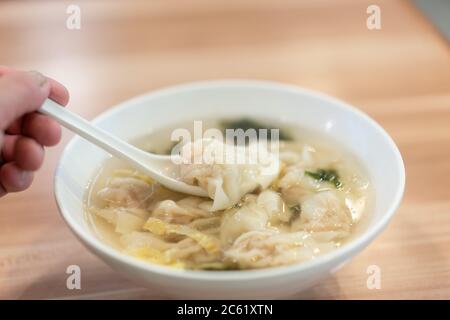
pixel 40 79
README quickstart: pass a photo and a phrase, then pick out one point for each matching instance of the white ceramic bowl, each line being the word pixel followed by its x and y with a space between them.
pixel 283 103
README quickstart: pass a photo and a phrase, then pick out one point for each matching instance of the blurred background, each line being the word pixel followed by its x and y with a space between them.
pixel 398 74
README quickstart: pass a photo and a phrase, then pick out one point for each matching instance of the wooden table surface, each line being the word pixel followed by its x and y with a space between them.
pixel 399 75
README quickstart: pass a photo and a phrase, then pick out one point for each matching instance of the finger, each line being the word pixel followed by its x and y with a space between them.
pixel 22 92
pixel 43 129
pixel 14 179
pixel 58 92
pixel 5 70
pixel 15 127
pixel 28 154
pixel 9 143
pixel 2 191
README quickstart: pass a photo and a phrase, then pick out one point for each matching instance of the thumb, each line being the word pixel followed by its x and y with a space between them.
pixel 21 93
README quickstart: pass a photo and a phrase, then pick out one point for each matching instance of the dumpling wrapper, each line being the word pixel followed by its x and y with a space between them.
pixel 228 172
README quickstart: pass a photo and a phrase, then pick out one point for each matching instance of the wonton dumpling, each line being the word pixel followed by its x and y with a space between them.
pixel 124 220
pixel 182 211
pixel 269 248
pixel 272 203
pixel 125 192
pixel 238 221
pixel 295 184
pixel 228 172
pixel 323 211
pixel 254 214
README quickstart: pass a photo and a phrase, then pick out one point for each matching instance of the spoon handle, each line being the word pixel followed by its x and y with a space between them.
pixel 85 129
pixel 158 167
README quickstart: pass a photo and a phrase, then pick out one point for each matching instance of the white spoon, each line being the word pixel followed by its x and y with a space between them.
pixel 160 168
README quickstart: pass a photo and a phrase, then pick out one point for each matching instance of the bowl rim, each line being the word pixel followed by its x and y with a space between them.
pixel 340 254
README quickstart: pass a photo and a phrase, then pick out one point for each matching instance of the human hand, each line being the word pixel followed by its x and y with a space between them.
pixel 23 132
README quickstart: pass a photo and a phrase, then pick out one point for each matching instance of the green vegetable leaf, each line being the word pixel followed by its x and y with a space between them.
pixel 297 209
pixel 246 124
pixel 328 175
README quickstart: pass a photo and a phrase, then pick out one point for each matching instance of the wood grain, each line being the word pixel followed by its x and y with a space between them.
pixel 400 75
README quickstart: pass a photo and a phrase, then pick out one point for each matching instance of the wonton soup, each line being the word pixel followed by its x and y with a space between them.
pixel 312 203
